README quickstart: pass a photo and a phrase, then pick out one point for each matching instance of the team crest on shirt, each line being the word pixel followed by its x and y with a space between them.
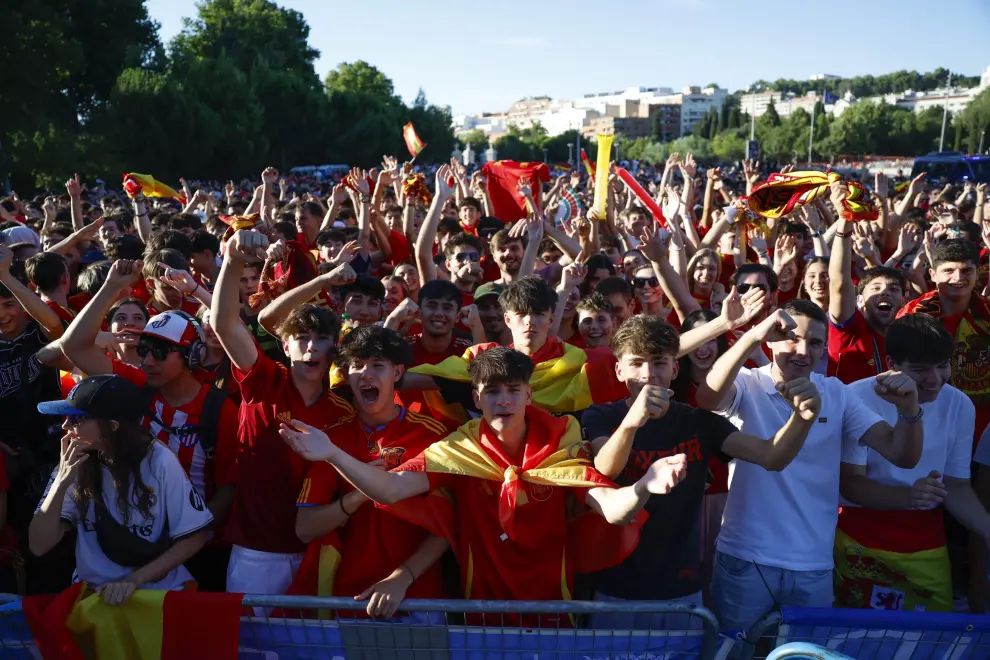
pixel 187 438
pixel 284 417
pixel 392 457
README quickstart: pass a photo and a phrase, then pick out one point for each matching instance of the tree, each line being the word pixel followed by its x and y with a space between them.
pixel 476 139
pixel 974 120
pixel 729 146
pixel 362 78
pixel 771 117
pixel 700 147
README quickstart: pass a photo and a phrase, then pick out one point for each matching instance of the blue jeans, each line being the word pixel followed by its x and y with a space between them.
pixel 743 593
pixel 647 620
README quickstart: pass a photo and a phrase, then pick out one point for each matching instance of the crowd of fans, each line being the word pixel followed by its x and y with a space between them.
pixel 367 388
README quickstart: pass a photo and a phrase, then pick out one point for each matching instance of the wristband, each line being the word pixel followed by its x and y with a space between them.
pixel 365 199
pixel 843 234
pixel 912 420
pixel 342 509
pixel 817 234
pixel 409 570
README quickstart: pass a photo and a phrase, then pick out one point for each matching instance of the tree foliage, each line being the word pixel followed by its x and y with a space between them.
pixel 237 91
pixel 862 86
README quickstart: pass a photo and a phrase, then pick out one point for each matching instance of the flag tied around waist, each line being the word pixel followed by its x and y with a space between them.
pixel 153 625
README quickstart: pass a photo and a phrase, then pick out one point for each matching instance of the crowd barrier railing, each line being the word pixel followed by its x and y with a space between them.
pixel 312 628
pixel 871 634
pixel 804 651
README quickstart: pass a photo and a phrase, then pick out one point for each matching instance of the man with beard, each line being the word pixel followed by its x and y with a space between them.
pixel 767 560
pixel 514 255
pixel 859 315
pixel 491 314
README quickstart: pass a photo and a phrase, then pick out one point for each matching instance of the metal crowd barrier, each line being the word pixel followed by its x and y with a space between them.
pixel 311 628
pixel 802 651
pixel 872 634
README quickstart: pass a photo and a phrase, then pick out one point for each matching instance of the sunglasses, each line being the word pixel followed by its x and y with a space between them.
pixel 640 282
pixel 76 420
pixel 158 351
pixel 743 288
pixel 465 257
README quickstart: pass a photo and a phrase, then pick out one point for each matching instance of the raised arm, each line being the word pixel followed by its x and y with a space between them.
pixel 74 188
pixel 737 311
pixel 278 309
pixel 84 235
pixel 29 300
pixel 842 291
pixel 620 505
pixel 142 223
pixel 338 197
pixel 245 246
pixel 718 388
pixel 382 487
pixel 428 232
pixel 654 248
pixel 79 343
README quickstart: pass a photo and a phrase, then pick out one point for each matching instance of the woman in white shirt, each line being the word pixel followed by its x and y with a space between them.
pixel 137 516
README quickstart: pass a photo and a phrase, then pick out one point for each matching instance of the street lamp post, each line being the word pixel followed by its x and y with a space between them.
pixel 945 112
pixel 545 156
pixel 570 154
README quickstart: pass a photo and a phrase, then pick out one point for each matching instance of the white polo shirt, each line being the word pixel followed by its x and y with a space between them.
pixel 787 519
pixel 948 426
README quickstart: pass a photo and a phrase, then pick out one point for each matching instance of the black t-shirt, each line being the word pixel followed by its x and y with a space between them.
pixel 666 562
pixel 24 383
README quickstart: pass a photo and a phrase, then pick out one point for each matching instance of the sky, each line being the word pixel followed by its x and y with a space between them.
pixel 483 56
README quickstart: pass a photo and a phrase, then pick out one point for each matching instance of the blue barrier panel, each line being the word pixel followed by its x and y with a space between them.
pixel 879 635
pixel 16 640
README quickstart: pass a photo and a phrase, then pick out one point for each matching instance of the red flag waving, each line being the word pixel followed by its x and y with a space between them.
pixel 413 143
pixel 503 180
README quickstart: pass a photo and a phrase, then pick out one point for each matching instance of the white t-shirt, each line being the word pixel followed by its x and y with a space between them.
pixel 787 519
pixel 982 455
pixel 948 426
pixel 174 498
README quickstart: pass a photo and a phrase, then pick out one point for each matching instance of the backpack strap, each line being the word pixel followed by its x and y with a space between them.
pixel 209 420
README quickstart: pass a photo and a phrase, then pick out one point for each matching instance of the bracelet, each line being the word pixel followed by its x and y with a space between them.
pixel 843 234
pixel 409 570
pixel 912 420
pixel 817 234
pixel 365 199
pixel 342 509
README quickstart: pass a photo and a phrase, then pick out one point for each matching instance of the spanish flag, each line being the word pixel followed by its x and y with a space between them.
pixel 413 143
pixel 782 194
pixel 589 167
pixel 555 456
pixel 167 625
pixel 503 177
pixel 414 188
pixel 565 378
pixel 145 183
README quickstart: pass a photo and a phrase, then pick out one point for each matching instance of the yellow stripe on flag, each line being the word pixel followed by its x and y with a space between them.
pixel 132 631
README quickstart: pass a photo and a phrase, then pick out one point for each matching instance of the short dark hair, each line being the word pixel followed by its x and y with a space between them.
pixel 614 284
pixel 169 257
pixel 457 240
pixel 595 303
pixel 646 335
pixel 609 241
pixel 448 226
pixel 798 307
pixel 122 218
pixel 919 338
pixel 169 239
pixel 472 202
pixel 369 342
pixel 501 238
pixel 92 277
pixel 17 271
pixel 286 230
pixel 185 221
pixel 45 270
pixel 309 318
pixel 499 365
pixel 366 284
pixel 440 290
pixel 795 228
pixel 528 295
pixel 955 250
pixel 328 236
pixel 311 208
pixel 125 246
pixel 204 241
pixel 877 272
pixel 759 269
pixel 127 301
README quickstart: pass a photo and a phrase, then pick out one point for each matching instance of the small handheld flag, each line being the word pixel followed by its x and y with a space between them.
pixel 145 183
pixel 413 143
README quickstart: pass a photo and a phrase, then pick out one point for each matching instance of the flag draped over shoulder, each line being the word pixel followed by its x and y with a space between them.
pixel 152 625
pixel 782 193
pixel 135 183
pixel 565 378
pixel 413 143
pixel 562 461
pixel 503 177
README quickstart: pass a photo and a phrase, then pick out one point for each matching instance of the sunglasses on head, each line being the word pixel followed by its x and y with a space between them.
pixel 743 288
pixel 464 257
pixel 640 282
pixel 158 351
